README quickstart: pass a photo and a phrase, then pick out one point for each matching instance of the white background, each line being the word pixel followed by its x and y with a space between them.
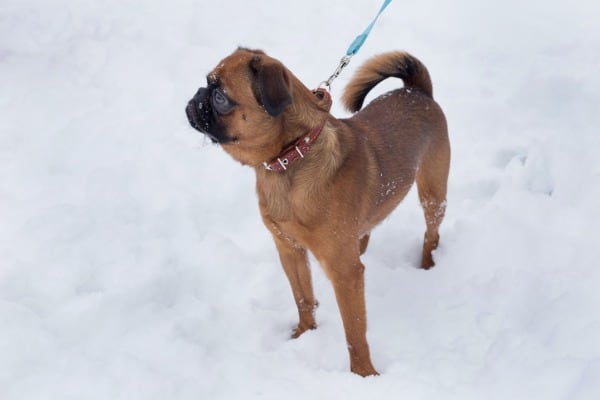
pixel 133 263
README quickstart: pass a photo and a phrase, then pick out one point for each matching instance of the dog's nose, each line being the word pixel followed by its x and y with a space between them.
pixel 201 95
pixel 189 111
pixel 189 107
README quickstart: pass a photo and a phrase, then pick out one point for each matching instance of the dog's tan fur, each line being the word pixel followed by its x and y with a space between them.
pixel 357 172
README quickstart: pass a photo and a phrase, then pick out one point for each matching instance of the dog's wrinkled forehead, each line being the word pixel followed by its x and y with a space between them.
pixel 235 69
pixel 250 78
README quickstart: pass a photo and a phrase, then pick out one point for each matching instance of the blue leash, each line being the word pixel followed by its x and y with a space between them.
pixel 360 39
pixel 355 46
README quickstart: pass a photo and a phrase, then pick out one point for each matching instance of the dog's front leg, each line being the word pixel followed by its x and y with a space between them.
pixel 295 264
pixel 346 273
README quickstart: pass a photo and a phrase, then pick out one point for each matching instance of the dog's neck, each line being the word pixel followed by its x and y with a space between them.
pixel 295 151
pixel 276 190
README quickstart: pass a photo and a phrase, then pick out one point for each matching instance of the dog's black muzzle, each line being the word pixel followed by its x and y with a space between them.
pixel 202 117
pixel 199 113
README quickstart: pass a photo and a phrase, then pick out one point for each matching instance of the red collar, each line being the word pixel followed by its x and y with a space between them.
pixel 302 145
pixel 295 151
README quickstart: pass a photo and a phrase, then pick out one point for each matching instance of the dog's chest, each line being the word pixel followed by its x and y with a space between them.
pixel 286 200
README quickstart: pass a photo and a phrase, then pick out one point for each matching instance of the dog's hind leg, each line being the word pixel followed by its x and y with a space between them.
pixel 432 178
pixel 295 264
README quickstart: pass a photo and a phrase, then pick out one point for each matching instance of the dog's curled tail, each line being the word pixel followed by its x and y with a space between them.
pixel 398 64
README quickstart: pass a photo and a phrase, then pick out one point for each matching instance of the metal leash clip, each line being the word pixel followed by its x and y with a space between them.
pixel 343 63
pixel 354 47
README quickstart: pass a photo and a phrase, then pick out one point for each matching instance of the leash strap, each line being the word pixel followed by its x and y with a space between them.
pixel 354 47
pixel 360 39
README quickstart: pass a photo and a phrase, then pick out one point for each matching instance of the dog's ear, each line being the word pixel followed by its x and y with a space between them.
pixel 271 85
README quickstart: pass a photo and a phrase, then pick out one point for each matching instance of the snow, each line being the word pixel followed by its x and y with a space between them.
pixel 134 263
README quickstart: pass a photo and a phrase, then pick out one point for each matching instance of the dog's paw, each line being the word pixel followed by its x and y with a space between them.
pixel 364 370
pixel 301 328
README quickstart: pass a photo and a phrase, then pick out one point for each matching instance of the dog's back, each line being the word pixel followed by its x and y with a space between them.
pixel 403 122
pixel 405 117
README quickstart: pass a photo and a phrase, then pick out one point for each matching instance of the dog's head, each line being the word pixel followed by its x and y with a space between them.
pixel 252 106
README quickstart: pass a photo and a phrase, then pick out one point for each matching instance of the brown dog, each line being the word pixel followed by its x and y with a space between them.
pixel 324 183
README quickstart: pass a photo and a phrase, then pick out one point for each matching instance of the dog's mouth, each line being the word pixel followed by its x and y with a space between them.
pixel 198 120
pixel 201 118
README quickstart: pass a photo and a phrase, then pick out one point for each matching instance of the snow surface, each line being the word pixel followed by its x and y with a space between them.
pixel 134 262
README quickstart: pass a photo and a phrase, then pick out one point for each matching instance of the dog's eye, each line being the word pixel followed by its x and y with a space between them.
pixel 221 103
